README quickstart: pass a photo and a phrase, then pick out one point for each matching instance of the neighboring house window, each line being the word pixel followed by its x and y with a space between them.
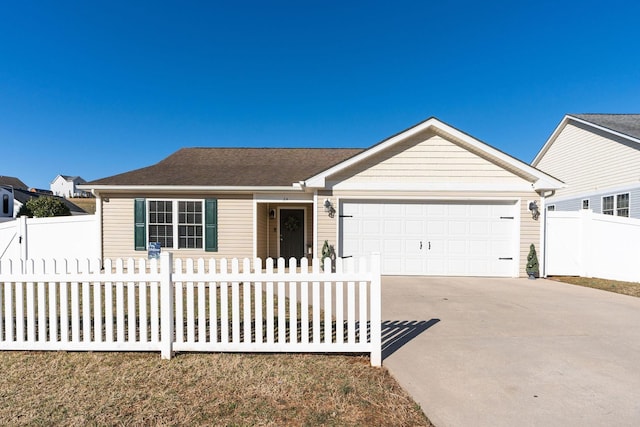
pixel 585 204
pixel 616 205
pixel 551 208
pixel 607 205
pixel 177 224
pixel 622 204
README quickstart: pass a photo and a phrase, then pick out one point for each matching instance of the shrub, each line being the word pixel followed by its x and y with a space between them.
pixel 42 207
pixel 532 262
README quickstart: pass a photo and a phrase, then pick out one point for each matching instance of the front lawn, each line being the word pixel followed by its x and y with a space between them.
pixel 626 288
pixel 54 388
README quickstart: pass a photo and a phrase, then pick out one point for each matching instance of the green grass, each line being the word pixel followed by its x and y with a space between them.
pixel 625 288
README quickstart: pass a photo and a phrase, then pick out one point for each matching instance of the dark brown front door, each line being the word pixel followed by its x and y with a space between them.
pixel 292 233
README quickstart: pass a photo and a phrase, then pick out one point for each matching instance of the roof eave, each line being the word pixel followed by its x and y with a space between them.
pixel 96 189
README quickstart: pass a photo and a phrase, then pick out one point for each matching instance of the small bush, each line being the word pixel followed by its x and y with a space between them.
pixel 43 207
pixel 532 262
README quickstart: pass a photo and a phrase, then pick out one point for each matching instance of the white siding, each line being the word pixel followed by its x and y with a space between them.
pixel 588 160
pixel 427 158
pixel 235 227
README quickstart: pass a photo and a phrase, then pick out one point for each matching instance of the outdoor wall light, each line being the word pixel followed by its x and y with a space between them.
pixel 272 214
pixel 535 212
pixel 328 208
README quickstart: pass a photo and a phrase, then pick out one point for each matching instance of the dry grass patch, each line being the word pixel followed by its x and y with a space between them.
pixel 45 388
pixel 626 288
pixel 88 204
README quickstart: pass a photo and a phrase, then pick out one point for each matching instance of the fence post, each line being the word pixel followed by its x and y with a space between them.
pixel 166 305
pixel 376 311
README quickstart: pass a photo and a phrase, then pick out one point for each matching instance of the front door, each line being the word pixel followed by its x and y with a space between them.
pixel 292 233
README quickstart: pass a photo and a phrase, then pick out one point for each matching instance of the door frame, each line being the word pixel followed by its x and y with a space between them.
pixel 304 226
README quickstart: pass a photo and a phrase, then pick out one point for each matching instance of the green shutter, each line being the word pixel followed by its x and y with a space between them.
pixel 140 233
pixel 211 225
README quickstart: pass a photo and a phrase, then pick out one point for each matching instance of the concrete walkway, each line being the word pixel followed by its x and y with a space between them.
pixel 513 352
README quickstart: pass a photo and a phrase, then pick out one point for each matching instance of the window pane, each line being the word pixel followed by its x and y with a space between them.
pixel 607 205
pixel 551 208
pixel 585 204
pixel 622 204
pixel 190 227
pixel 160 226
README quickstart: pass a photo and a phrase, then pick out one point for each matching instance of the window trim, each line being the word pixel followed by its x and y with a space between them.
pixel 209 223
pixel 614 210
pixel 175 224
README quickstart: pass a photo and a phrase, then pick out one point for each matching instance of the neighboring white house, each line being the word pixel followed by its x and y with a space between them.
pixel 65 186
pixel 597 156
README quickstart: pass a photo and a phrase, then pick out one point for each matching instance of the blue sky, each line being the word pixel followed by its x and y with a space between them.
pixel 100 88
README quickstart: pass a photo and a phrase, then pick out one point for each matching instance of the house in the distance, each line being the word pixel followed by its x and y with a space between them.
pixel 66 186
pixel 432 200
pixel 597 156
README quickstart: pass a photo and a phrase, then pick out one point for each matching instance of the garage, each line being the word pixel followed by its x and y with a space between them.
pixel 440 238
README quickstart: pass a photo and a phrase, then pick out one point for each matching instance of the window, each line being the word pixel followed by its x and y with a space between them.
pixel 161 222
pixel 177 224
pixel 190 225
pixel 616 205
pixel 622 204
pixel 607 205
pixel 585 204
pixel 551 208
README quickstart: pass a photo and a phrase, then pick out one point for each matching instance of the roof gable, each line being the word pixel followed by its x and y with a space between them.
pixel 626 126
pixel 462 141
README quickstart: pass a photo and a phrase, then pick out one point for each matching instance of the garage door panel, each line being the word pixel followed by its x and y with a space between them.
pixel 393 209
pixel 370 227
pixel 477 228
pixel 414 227
pixel 457 248
pixel 371 245
pixel 392 226
pixel 458 228
pixel 436 227
pixel 432 238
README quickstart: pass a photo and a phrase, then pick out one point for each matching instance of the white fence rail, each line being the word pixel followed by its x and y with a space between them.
pixel 60 237
pixel 583 243
pixel 213 306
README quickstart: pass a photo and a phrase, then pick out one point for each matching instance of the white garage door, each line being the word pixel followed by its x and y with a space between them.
pixel 448 239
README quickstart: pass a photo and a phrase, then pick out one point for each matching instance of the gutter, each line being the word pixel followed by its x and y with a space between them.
pixel 96 189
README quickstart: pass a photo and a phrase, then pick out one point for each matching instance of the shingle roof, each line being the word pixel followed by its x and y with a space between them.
pixel 12 181
pixel 628 124
pixel 234 167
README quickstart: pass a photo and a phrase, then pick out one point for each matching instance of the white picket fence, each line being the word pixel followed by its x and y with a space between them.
pixel 199 306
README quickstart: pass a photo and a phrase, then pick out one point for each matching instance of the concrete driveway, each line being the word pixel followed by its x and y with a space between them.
pixel 513 352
